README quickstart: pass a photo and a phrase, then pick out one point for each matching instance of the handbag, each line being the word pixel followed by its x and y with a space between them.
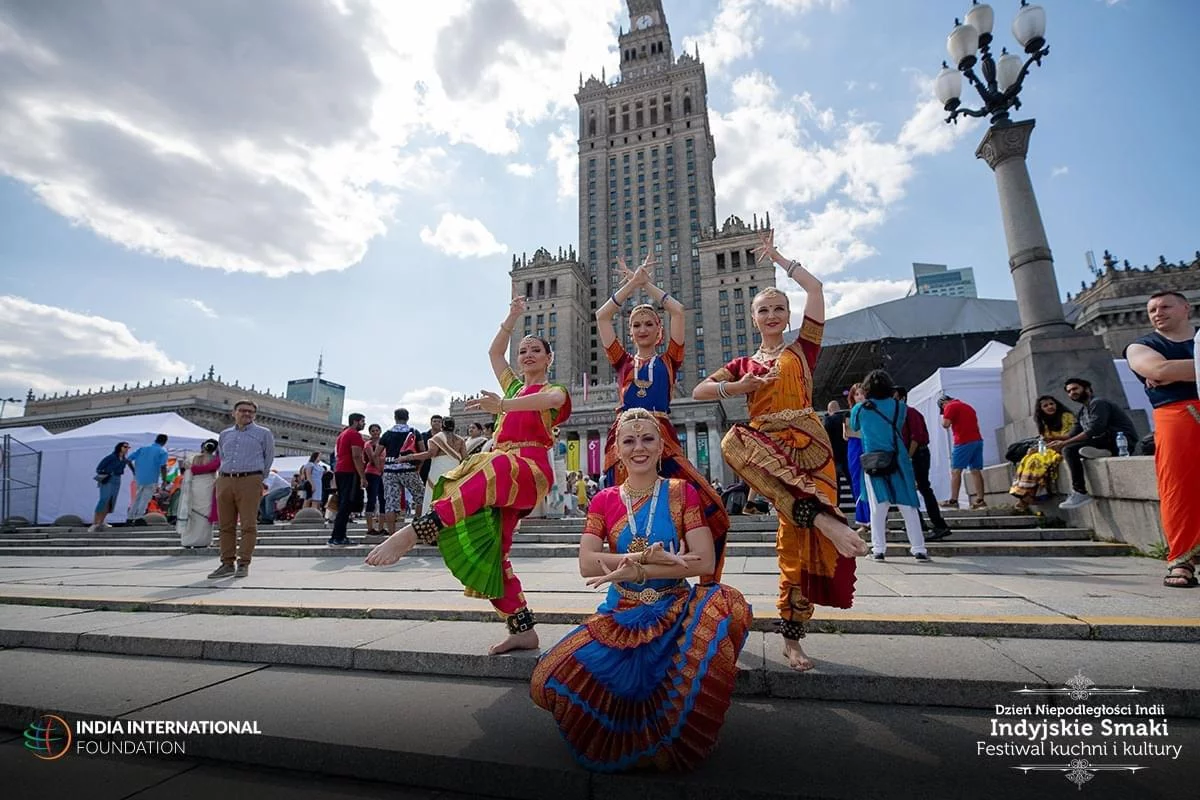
pixel 102 478
pixel 881 463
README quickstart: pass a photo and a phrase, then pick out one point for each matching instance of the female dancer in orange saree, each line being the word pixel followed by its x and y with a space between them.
pixel 477 505
pixel 647 679
pixel 645 380
pixel 785 455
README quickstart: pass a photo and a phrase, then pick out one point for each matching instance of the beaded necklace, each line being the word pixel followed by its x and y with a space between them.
pixel 640 542
pixel 641 385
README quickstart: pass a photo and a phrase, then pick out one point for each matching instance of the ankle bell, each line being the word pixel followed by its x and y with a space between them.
pixel 520 622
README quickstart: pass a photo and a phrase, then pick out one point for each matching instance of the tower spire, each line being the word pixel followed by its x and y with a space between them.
pixel 317 382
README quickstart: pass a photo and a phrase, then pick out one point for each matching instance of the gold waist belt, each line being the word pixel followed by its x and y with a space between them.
pixel 648 595
pixel 506 446
pixel 788 418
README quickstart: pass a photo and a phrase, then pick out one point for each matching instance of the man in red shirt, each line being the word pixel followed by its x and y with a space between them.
pixel 967 454
pixel 915 435
pixel 349 473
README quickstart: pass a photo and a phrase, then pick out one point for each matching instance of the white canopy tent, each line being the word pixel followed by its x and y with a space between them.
pixel 287 466
pixel 977 382
pixel 27 433
pixel 69 460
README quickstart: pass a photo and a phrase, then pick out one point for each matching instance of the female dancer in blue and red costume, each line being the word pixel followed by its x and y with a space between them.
pixel 647 679
pixel 477 505
pixel 645 379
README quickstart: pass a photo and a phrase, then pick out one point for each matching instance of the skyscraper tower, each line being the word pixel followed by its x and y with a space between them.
pixel 646 174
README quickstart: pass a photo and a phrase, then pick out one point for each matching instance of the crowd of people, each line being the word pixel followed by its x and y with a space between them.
pixel 646 681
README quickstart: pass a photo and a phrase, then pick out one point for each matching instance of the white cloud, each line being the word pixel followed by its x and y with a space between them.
pixel 737 29
pixel 52 349
pixel 520 170
pixel 421 404
pixel 826 179
pixel 120 118
pixel 1054 173
pixel 462 237
pixel 842 297
pixel 202 307
pixel 563 152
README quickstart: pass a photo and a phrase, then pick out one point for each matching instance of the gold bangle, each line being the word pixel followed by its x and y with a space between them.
pixel 501 409
pixel 506 328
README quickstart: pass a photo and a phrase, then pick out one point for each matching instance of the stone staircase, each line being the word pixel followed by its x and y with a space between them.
pixel 993 531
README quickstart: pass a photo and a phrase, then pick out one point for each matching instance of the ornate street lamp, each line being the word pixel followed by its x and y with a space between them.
pixel 1049 349
pixel 1003 78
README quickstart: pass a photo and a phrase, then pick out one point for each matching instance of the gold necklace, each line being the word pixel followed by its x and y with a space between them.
pixel 766 355
pixel 637 494
pixel 641 385
pixel 640 541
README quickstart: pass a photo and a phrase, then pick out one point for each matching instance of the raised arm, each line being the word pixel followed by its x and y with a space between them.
pixel 492 403
pixel 814 303
pixel 673 307
pixel 498 352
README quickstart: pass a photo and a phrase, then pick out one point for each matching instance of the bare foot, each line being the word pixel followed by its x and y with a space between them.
pixel 515 641
pixel 848 543
pixel 795 656
pixel 393 548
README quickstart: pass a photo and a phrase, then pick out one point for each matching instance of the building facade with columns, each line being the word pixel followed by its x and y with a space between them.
pixel 1114 306
pixel 299 428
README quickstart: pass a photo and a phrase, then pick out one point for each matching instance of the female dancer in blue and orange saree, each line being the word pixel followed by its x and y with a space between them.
pixel 645 379
pixel 477 504
pixel 646 681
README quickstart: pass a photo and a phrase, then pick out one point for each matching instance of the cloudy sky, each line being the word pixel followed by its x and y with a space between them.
pixel 247 185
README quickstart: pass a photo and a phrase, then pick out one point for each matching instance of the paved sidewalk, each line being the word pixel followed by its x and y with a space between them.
pixel 1118 598
pixel 957 671
pixel 486 736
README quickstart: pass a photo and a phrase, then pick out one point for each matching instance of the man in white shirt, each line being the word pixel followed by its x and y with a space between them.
pixel 277 489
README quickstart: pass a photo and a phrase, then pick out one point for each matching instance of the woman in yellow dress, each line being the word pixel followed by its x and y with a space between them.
pixel 1038 471
pixel 784 454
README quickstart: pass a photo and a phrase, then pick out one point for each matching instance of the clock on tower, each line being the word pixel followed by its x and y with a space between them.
pixel 644 21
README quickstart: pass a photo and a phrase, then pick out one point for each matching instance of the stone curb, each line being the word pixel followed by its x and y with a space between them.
pixel 300 538
pixel 949 549
pixel 763 681
pixel 1105 629
pixel 865 683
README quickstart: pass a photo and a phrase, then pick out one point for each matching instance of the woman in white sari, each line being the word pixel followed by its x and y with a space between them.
pixel 445 451
pixel 198 502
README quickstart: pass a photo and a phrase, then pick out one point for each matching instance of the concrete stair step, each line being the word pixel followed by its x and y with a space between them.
pixel 869 668
pixel 473 735
pixel 283 538
pixel 947 548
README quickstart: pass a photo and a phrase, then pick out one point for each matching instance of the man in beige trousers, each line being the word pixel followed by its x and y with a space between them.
pixel 246 450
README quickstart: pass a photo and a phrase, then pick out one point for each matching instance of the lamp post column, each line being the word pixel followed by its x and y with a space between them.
pixel 1050 349
pixel 1004 148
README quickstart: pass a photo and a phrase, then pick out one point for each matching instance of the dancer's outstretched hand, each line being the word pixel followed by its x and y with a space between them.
pixel 766 247
pixel 670 556
pixel 749 383
pixel 516 308
pixel 487 402
pixel 628 571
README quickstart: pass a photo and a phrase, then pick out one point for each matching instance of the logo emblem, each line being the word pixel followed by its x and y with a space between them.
pixel 48 737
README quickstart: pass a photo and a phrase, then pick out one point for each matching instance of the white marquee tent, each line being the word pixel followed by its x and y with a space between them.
pixel 976 382
pixel 69 460
pixel 28 433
